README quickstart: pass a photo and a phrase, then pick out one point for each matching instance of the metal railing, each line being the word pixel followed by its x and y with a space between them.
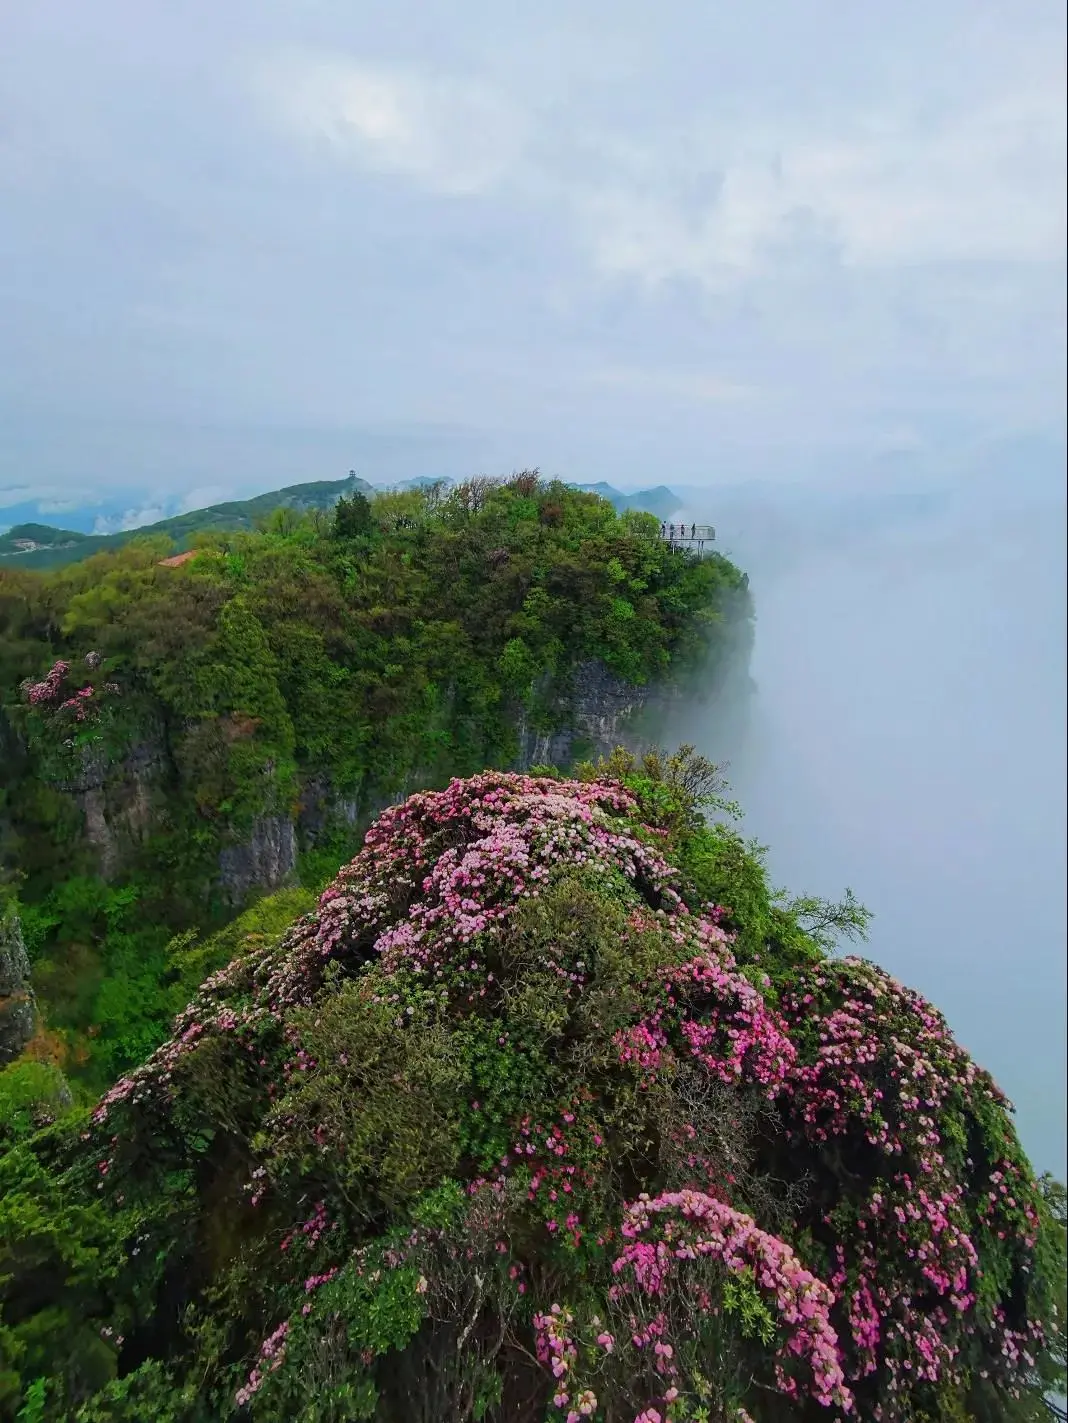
pixel 693 537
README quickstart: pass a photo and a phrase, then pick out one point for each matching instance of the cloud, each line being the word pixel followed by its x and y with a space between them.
pixel 131 519
pixel 16 494
pixel 60 506
pixel 894 182
pixel 330 215
pixel 453 136
pixel 698 386
pixel 205 496
pixel 983 185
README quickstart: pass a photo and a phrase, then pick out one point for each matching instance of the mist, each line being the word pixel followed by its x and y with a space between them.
pixel 906 738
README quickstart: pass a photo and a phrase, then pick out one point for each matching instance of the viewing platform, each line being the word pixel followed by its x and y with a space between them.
pixel 694 538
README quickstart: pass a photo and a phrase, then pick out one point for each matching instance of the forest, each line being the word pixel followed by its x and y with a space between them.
pixel 360 1066
pixel 280 687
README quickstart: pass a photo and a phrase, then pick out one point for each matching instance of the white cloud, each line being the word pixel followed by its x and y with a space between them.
pixel 984 185
pixel 700 387
pixel 131 519
pixel 16 494
pixel 452 136
pixel 59 506
pixel 976 178
pixel 204 497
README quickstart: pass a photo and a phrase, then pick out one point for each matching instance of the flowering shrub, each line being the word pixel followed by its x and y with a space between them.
pixel 50 694
pixel 505 1124
pixel 949 1204
pixel 690 1226
pixel 47 691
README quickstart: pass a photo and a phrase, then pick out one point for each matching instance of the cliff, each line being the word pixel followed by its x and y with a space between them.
pixel 17 1007
pixel 181 738
pixel 120 801
pixel 523 1123
pixel 597 712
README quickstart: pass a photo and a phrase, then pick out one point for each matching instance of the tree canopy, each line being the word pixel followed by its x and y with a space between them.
pixel 307 673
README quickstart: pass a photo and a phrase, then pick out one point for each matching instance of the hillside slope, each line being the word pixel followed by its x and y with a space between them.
pixel 23 540
pixel 523 1123
pixel 56 547
pixel 178 740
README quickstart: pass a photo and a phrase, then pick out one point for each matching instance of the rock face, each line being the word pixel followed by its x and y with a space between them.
pixel 116 799
pixel 122 798
pixel 321 805
pixel 599 713
pixel 17 1006
pixel 266 860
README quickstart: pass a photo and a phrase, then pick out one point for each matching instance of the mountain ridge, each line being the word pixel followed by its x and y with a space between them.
pixel 38 545
pixel 226 517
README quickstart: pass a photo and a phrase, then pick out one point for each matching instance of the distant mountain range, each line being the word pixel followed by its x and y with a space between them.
pixel 42 546
pixel 661 501
pixel 39 545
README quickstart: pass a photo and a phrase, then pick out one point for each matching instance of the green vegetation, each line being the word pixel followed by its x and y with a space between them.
pixel 43 546
pixel 27 540
pixel 548 1111
pixel 301 675
pixel 55 547
pixel 545 1108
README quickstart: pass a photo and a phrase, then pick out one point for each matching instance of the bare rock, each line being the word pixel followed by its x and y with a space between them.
pixel 267 860
pixel 17 1004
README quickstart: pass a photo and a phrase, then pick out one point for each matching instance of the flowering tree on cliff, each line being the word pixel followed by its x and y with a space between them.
pixel 519 1124
pixel 53 697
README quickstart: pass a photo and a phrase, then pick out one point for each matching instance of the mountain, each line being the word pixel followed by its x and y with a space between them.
pixel 545 1107
pixel 520 1123
pixel 24 539
pixel 183 733
pixel 36 545
pixel 661 501
pixel 53 547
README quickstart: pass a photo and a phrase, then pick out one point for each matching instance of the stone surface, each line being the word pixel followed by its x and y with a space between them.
pixel 17 1006
pixel 267 859
pixel 116 799
pixel 597 713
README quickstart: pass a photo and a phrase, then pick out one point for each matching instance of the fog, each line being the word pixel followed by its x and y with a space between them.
pixel 907 739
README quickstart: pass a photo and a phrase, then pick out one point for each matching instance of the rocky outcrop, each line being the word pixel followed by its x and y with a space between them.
pixel 586 714
pixel 321 807
pixel 595 714
pixel 17 1006
pixel 267 860
pixel 116 798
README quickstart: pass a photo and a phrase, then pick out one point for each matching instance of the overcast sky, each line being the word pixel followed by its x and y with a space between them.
pixel 644 242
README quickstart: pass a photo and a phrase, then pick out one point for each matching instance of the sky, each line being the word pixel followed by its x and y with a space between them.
pixel 250 243
pixel 804 262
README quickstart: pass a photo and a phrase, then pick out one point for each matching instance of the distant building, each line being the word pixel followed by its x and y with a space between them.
pixel 177 559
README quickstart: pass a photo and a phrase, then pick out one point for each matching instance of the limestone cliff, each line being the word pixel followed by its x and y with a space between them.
pixel 17 1008
pixel 595 713
pixel 120 796
pixel 266 860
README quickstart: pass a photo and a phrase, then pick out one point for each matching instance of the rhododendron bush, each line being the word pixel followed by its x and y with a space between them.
pixel 521 1124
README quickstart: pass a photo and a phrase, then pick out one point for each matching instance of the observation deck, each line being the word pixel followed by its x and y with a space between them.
pixel 694 538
